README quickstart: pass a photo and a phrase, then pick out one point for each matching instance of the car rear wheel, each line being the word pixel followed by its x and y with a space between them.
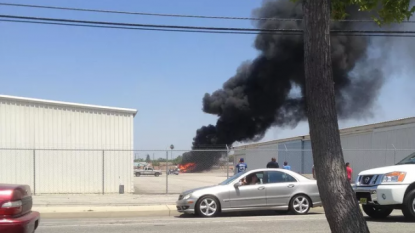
pixel 408 206
pixel 137 174
pixel 300 204
pixel 157 174
pixel 207 206
pixel 377 212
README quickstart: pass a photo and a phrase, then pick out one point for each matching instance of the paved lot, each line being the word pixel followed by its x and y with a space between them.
pixel 264 223
pixel 177 183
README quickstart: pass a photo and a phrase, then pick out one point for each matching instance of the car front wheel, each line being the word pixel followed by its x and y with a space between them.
pixel 377 212
pixel 408 207
pixel 207 207
pixel 157 174
pixel 137 174
pixel 300 204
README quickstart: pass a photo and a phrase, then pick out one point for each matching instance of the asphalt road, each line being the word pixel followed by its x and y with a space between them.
pixel 266 223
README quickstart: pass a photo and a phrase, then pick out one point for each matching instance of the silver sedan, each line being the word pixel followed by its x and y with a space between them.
pixel 260 189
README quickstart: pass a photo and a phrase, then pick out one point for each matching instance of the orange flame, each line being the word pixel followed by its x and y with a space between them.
pixel 186 167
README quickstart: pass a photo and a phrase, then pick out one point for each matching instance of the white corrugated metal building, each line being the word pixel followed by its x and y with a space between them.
pixel 59 147
pixel 365 147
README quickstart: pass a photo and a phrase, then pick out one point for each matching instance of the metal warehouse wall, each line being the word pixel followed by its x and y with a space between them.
pixel 28 128
pixel 255 158
pixel 377 148
pixel 372 148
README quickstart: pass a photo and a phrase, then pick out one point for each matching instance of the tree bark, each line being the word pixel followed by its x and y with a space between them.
pixel 340 205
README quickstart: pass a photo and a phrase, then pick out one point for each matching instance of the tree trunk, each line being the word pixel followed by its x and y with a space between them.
pixel 340 205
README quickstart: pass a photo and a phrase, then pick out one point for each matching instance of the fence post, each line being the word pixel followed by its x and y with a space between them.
pixel 34 172
pixel 394 154
pixel 103 172
pixel 302 157
pixel 167 172
pixel 227 161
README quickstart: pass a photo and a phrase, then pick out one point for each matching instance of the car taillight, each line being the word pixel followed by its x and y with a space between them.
pixel 11 208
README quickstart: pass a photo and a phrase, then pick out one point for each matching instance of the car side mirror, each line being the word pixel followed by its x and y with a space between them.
pixel 236 185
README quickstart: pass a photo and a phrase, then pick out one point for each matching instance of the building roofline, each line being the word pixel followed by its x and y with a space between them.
pixel 345 131
pixel 60 103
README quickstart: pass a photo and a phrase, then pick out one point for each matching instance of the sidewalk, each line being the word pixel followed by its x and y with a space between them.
pixel 98 206
pixel 104 200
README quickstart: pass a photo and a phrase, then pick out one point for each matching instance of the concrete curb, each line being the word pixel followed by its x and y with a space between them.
pixel 69 212
pixel 106 211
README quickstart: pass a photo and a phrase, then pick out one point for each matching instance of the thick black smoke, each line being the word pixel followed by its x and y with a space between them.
pixel 259 95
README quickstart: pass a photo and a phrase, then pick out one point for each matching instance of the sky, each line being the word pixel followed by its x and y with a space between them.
pixel 161 74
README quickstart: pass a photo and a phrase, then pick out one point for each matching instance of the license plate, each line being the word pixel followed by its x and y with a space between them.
pixel 363 200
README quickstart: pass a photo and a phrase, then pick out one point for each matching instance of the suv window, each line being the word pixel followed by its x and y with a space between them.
pixel 408 160
pixel 279 177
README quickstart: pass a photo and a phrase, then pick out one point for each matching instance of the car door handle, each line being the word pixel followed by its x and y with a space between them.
pixel 291 186
pixel 261 188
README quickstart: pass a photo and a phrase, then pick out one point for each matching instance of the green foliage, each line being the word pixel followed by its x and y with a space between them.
pixel 148 160
pixel 383 11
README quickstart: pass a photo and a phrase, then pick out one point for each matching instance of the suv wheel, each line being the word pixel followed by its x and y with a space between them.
pixel 137 174
pixel 207 206
pixel 377 212
pixel 300 204
pixel 408 206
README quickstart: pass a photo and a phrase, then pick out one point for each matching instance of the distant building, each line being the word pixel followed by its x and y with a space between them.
pixel 59 147
pixel 365 147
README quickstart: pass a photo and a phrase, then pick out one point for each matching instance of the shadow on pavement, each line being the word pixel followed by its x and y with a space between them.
pixel 390 219
pixel 250 214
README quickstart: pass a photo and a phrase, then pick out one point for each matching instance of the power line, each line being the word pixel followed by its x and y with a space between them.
pixel 146 25
pixel 198 31
pixel 197 27
pixel 137 13
pixel 174 15
pixel 142 29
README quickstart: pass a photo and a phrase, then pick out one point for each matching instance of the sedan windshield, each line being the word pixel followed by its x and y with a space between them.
pixel 232 178
pixel 408 160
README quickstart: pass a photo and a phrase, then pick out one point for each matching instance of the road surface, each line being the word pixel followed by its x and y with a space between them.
pixel 258 224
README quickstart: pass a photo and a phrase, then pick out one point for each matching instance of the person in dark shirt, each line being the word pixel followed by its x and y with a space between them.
pixel 273 164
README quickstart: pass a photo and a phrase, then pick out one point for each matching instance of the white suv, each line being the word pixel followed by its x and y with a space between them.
pixel 381 190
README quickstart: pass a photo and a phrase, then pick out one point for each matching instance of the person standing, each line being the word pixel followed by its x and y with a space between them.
pixel 241 166
pixel 286 166
pixel 273 163
pixel 349 172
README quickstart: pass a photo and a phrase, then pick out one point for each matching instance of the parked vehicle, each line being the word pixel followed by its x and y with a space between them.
pixel 16 215
pixel 147 171
pixel 383 189
pixel 276 189
pixel 175 171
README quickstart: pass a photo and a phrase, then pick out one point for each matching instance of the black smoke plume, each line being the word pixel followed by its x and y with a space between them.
pixel 259 95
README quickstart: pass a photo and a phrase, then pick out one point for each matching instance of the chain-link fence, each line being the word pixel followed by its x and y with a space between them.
pixel 54 171
pixel 183 170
